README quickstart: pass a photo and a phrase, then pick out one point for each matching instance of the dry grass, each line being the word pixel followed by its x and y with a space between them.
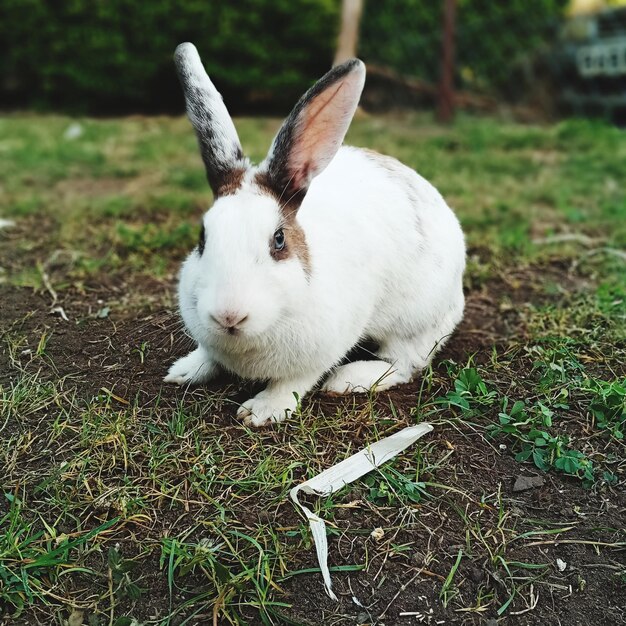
pixel 128 502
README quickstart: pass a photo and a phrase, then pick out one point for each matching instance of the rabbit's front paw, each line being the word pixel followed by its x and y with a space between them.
pixel 266 408
pixel 195 368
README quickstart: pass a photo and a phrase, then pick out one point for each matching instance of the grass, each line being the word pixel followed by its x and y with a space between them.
pixel 124 502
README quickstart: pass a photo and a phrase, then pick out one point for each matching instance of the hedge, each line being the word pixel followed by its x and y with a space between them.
pixel 101 56
pixel 493 38
pixel 108 56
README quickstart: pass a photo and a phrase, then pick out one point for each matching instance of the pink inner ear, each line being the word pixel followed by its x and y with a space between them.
pixel 321 129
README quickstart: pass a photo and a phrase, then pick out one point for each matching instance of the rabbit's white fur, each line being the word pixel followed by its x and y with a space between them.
pixel 384 260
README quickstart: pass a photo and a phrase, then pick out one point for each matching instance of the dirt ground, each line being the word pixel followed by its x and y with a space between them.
pixel 127 502
pixel 394 587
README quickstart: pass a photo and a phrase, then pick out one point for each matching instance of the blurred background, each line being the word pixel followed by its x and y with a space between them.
pixel 141 504
pixel 540 59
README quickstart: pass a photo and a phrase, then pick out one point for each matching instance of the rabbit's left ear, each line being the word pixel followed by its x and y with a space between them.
pixel 310 137
pixel 219 144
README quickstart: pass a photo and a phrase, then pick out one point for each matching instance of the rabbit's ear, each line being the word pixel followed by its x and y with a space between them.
pixel 310 137
pixel 219 144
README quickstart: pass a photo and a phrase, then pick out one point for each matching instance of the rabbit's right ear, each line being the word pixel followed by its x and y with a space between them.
pixel 219 144
pixel 310 137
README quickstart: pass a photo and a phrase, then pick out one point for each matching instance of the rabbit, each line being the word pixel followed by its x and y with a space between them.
pixel 315 249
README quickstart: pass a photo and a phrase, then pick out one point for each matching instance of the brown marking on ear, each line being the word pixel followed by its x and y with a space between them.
pixel 295 239
pixel 288 203
pixel 231 182
pixel 263 181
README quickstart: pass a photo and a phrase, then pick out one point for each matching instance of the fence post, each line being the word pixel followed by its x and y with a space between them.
pixel 349 34
pixel 445 108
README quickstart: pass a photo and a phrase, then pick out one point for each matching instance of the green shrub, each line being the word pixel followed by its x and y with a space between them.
pixel 116 55
pixel 108 55
pixel 492 38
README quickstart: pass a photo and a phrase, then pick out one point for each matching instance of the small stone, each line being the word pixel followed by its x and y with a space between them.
pixel 103 312
pixel 377 534
pixel 561 565
pixel 73 131
pixel 76 618
pixel 363 618
pixel 524 483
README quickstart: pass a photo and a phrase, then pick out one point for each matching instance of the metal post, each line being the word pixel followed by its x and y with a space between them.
pixel 445 109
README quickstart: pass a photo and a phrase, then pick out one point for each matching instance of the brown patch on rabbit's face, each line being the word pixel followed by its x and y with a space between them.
pixel 295 239
pixel 295 245
pixel 288 204
pixel 231 182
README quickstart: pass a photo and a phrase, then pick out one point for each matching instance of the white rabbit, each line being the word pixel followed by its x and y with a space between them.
pixel 314 250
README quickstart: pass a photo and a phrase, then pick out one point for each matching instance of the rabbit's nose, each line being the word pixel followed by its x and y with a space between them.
pixel 229 320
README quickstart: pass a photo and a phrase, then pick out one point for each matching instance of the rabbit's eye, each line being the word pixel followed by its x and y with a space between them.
pixel 201 241
pixel 279 240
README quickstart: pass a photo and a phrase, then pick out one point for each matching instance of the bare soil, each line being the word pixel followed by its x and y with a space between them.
pixel 96 355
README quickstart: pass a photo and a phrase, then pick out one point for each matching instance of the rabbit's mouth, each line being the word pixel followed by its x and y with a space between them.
pixel 229 338
pixel 233 339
